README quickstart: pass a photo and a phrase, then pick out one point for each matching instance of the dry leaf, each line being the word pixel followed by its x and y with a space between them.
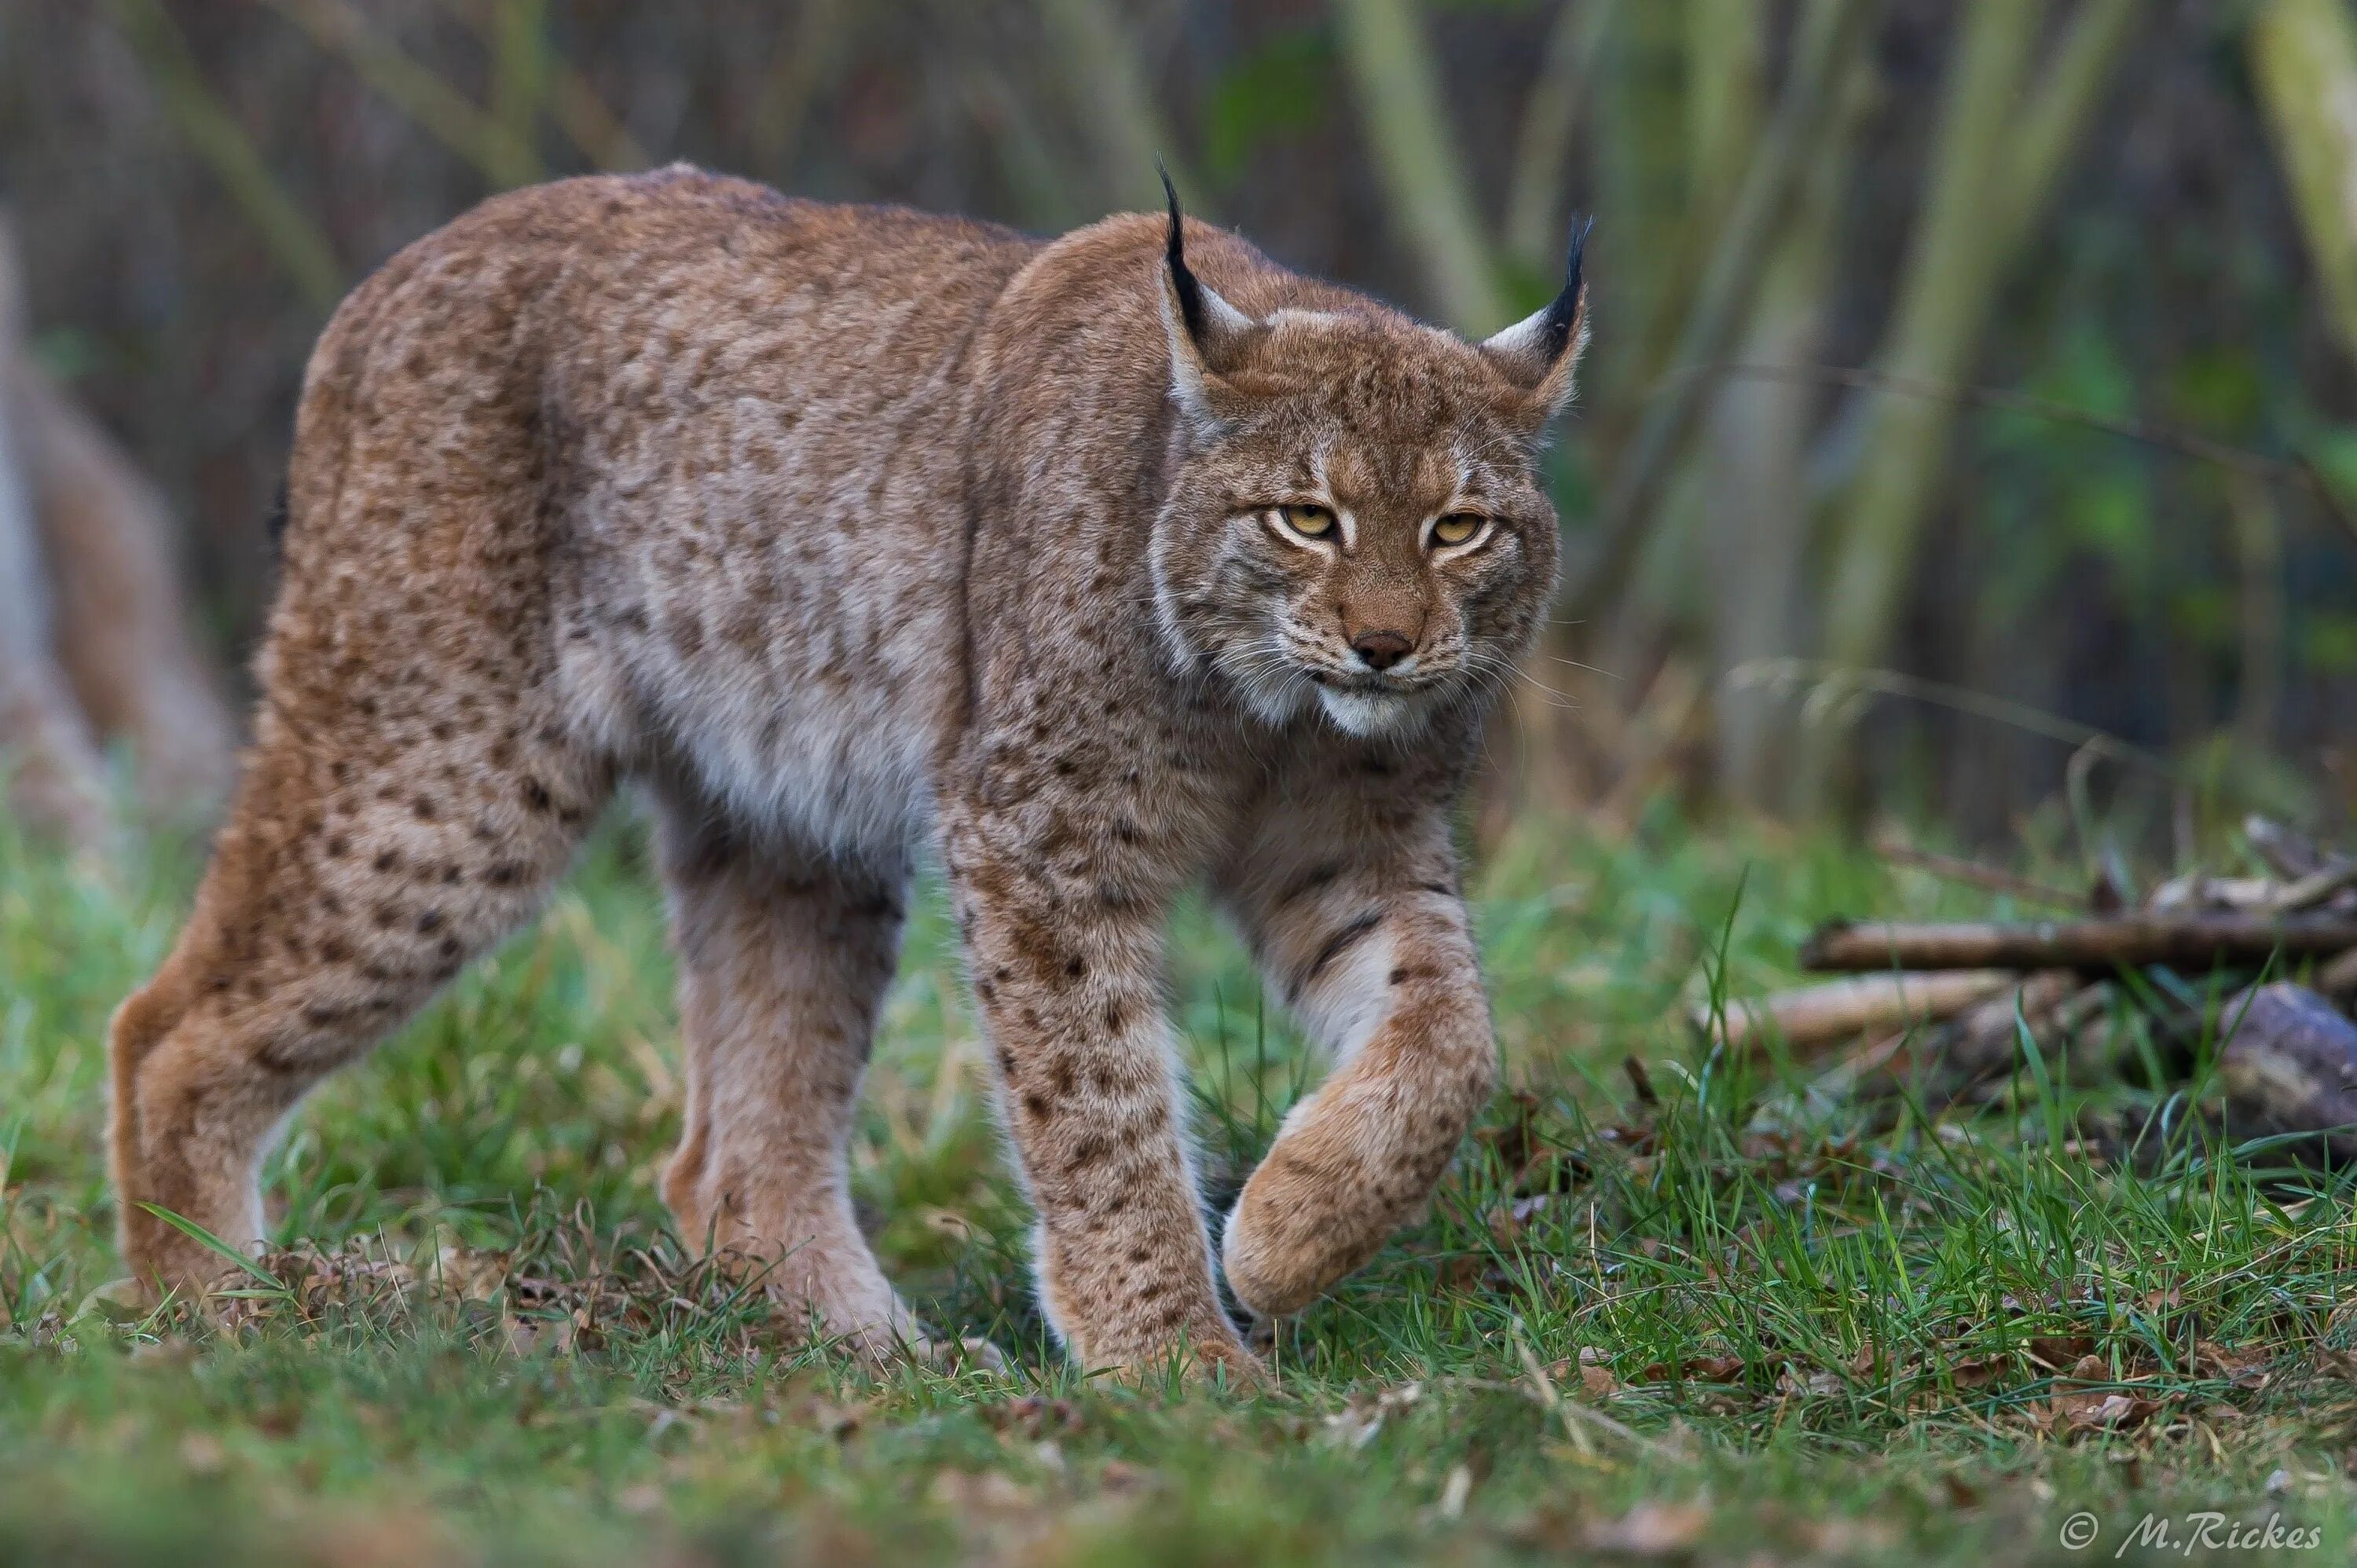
pixel 2075 1411
pixel 2245 1367
pixel 2056 1351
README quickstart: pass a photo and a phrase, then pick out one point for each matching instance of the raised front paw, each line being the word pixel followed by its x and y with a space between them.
pixel 1288 1240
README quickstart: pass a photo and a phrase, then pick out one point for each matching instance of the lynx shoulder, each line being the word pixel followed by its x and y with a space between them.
pixel 1094 568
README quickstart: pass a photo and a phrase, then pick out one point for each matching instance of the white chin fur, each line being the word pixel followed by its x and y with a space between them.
pixel 1367 714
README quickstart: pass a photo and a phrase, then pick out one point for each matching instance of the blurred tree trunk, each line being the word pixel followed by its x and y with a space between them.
pixel 1727 51
pixel 49 770
pixel 1543 144
pixel 1829 35
pixel 1754 456
pixel 2259 563
pixel 1100 68
pixel 1995 164
pixel 1427 179
pixel 214 135
pixel 50 775
pixel 2304 59
pixel 1641 147
pixel 1935 328
pixel 520 67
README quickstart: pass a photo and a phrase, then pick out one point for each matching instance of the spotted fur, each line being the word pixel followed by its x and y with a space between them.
pixel 864 535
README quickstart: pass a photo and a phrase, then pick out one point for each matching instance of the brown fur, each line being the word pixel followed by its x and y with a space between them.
pixel 856 531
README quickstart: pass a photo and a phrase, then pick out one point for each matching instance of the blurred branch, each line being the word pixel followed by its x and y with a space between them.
pixel 1831 688
pixel 1042 188
pixel 2066 99
pixel 1833 29
pixel 520 69
pixel 807 54
pixel 1751 446
pixel 1535 215
pixel 438 109
pixel 294 242
pixel 1727 67
pixel 2259 560
pixel 1636 153
pixel 572 102
pixel 2303 56
pixel 2289 471
pixel 1101 67
pixel 1401 105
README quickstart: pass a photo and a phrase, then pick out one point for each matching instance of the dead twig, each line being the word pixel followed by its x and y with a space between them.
pixel 1974 874
pixel 2317 887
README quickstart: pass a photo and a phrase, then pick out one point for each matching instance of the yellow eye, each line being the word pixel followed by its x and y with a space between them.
pixel 1457 527
pixel 1309 522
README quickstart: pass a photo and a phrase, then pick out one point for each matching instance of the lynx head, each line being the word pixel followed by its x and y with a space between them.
pixel 1353 521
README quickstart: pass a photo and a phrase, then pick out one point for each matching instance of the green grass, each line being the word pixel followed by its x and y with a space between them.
pixel 1740 1323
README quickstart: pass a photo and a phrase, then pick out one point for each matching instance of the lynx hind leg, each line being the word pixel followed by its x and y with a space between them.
pixel 361 867
pixel 1370 947
pixel 785 957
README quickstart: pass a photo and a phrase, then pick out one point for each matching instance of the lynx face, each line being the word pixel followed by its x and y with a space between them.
pixel 1354 523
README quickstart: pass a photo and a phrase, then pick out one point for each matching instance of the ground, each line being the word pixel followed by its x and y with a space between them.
pixel 1742 1323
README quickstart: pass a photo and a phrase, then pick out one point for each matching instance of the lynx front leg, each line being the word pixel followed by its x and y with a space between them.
pixel 1365 937
pixel 1065 967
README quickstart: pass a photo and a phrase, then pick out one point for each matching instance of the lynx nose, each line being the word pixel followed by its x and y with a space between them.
pixel 1381 649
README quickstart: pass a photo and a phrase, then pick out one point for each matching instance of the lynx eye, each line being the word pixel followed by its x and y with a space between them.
pixel 1309 522
pixel 1457 527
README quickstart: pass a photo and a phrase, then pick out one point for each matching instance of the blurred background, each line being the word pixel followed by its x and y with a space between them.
pixel 1971 426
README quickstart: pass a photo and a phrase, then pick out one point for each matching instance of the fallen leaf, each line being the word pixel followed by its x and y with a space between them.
pixel 2055 1351
pixel 2076 1410
pixel 1696 1370
pixel 2245 1367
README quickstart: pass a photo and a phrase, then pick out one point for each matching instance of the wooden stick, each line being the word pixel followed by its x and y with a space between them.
pixel 1985 1042
pixel 2318 886
pixel 2338 977
pixel 2189 940
pixel 1983 1038
pixel 1816 1014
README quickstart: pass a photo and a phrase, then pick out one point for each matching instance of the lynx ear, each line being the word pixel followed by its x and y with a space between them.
pixel 1201 327
pixel 1540 353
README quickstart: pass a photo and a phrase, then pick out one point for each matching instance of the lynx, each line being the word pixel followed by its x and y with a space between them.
pixel 1097 566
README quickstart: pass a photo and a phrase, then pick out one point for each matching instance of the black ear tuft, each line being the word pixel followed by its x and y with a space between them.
pixel 1191 292
pixel 1564 314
